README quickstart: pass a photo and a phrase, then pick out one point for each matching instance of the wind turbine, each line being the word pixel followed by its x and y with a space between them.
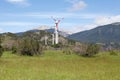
pixel 46 37
pixel 53 39
pixel 57 21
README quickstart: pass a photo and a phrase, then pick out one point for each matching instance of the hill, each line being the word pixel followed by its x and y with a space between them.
pixel 47 29
pixel 51 30
pixel 10 39
pixel 103 34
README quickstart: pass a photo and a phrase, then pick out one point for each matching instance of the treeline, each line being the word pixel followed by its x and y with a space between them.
pixel 31 44
pixel 86 50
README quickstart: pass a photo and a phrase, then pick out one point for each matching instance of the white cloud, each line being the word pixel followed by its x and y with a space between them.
pixel 56 15
pixel 80 28
pixel 16 1
pixel 77 5
pixel 97 22
pixel 17 26
pixel 19 2
pixel 107 20
pixel 17 23
pixel 1 30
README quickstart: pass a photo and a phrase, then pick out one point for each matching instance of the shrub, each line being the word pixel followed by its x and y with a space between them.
pixel 1 49
pixel 14 49
pixel 79 49
pixel 68 51
pixel 86 50
pixel 30 47
pixel 59 45
pixel 113 52
pixel 91 50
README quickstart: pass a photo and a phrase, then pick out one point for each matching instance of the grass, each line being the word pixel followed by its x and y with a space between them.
pixel 54 65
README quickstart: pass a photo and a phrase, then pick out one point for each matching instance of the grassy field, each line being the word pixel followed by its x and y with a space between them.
pixel 54 65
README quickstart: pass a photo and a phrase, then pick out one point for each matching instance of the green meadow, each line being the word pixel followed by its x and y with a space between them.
pixel 55 65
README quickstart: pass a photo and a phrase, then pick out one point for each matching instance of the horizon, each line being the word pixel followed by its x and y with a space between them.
pixel 44 27
pixel 79 15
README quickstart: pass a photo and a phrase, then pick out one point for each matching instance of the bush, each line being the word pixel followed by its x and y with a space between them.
pixel 68 51
pixel 59 45
pixel 1 51
pixel 79 49
pixel 14 49
pixel 30 47
pixel 86 50
pixel 112 52
pixel 91 50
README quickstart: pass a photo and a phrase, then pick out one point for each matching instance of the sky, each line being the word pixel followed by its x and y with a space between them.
pixel 79 15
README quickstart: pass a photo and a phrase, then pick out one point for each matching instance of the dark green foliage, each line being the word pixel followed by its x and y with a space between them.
pixel 1 49
pixel 30 47
pixel 86 49
pixel 14 49
pixel 71 42
pixel 113 52
pixel 91 50
pixel 9 36
pixel 57 45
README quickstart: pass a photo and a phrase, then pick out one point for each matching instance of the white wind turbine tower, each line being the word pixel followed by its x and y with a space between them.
pixel 53 40
pixel 57 21
pixel 46 38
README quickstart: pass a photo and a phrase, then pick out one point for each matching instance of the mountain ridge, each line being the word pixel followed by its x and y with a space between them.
pixel 47 29
pixel 101 34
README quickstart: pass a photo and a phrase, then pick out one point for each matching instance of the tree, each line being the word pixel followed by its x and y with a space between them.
pixel 92 49
pixel 14 49
pixel 79 49
pixel 86 50
pixel 29 47
pixel 1 50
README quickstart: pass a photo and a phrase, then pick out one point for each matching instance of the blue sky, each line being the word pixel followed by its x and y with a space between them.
pixel 79 15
